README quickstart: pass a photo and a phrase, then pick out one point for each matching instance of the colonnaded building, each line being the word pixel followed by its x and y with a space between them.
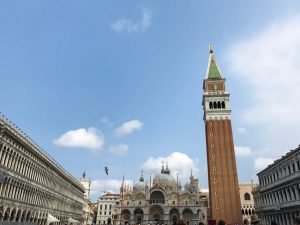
pixel 277 197
pixel 161 201
pixel 33 186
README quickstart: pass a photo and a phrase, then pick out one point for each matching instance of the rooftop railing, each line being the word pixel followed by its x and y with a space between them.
pixel 13 128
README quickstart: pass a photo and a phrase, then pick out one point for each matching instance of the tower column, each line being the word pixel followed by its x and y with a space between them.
pixel 222 172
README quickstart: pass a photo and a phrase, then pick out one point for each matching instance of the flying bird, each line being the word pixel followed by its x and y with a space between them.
pixel 106 170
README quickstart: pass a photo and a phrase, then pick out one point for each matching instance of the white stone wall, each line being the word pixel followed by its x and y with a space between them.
pixel 32 184
pixel 107 208
pixel 278 195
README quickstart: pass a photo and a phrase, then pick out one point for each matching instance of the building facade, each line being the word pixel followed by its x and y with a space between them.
pixel 107 206
pixel 277 197
pixel 33 186
pixel 162 201
pixel 247 201
pixel 224 195
pixel 88 211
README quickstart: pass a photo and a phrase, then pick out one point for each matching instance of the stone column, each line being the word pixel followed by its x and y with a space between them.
pixel 297 193
pixel 131 218
pixel 280 218
pixel 20 217
pixel 3 215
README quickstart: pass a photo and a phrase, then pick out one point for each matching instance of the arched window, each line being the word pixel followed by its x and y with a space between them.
pixel 215 105
pixel 247 196
pixel 210 105
pixel 223 105
pixel 157 197
pixel 219 105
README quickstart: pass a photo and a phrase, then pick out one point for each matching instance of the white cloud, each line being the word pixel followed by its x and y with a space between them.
pixel 268 63
pixel 262 162
pixel 120 150
pixel 128 127
pixel 178 163
pixel 89 138
pixel 98 187
pixel 129 26
pixel 242 151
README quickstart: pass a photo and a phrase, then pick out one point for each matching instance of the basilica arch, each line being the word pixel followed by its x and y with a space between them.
pixel 138 215
pixel 157 213
pixel 187 215
pixel 174 215
pixel 126 216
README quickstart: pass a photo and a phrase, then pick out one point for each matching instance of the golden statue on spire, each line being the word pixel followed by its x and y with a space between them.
pixel 210 49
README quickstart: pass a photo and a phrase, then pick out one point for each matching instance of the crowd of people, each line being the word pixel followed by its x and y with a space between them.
pixel 256 221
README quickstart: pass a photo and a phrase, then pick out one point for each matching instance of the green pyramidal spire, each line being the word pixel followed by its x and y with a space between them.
pixel 213 71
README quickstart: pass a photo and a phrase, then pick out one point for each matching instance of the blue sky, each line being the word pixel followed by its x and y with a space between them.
pixel 119 84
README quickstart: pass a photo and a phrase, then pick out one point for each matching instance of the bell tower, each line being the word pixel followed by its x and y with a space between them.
pixel 224 195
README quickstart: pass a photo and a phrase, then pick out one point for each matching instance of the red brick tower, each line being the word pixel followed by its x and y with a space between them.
pixel 224 195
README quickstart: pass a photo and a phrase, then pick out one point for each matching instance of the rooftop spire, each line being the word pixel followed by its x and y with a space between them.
pixel 167 170
pixel 162 166
pixel 191 177
pixel 213 71
pixel 142 177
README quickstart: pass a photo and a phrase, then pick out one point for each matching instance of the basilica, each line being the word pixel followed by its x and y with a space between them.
pixel 163 201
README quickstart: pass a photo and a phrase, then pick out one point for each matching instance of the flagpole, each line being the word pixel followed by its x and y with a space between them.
pixel 121 202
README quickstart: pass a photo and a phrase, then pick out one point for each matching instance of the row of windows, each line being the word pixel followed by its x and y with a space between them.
pixel 248 212
pixel 107 199
pixel 284 195
pixel 103 222
pixel 217 105
pixel 23 150
pixel 34 171
pixel 247 206
pixel 109 213
pixel 16 190
pixel 28 215
pixel 290 169
pixel 287 218
pixel 105 206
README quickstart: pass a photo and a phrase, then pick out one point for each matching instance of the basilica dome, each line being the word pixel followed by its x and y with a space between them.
pixel 188 187
pixel 165 178
pixel 140 186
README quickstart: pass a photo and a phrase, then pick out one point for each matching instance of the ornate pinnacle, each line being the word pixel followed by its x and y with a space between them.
pixel 210 49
